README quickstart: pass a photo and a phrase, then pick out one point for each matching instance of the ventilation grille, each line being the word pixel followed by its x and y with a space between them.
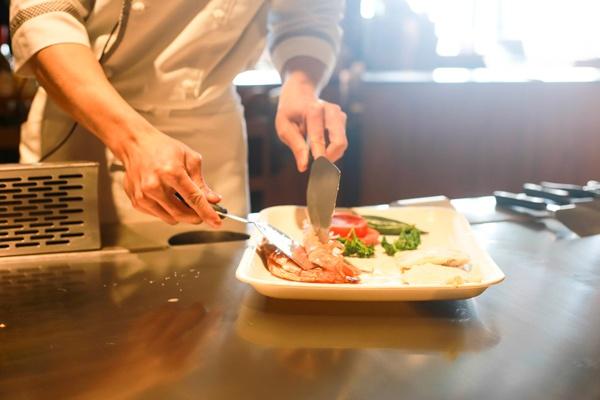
pixel 48 208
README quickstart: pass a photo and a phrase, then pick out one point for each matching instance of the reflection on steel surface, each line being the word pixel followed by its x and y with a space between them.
pixel 451 327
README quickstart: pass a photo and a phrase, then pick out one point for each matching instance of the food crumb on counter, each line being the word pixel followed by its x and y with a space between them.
pixel 173 300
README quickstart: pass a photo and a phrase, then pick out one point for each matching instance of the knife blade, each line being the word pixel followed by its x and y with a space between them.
pixel 321 195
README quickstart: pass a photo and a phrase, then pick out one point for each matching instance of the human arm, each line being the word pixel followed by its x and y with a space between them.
pixel 304 41
pixel 156 165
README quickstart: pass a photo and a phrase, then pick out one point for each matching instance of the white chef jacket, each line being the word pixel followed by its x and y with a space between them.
pixel 174 62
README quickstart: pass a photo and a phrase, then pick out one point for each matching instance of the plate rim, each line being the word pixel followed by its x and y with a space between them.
pixel 243 270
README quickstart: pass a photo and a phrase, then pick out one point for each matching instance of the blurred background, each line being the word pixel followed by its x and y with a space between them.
pixel 444 97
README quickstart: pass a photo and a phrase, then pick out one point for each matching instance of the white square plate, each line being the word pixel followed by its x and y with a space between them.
pixel 446 228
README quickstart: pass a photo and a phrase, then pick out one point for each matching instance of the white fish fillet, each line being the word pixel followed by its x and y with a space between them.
pixel 438 256
pixel 431 274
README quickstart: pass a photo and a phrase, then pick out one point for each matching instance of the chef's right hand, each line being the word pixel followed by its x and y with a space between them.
pixel 156 168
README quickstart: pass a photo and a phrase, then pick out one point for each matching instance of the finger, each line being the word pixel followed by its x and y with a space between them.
pixel 194 197
pixel 193 164
pixel 315 129
pixel 176 208
pixel 335 121
pixel 153 208
pixel 290 134
pixel 154 190
pixel 144 205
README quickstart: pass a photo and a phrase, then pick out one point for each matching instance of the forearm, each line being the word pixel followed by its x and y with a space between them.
pixel 156 166
pixel 74 79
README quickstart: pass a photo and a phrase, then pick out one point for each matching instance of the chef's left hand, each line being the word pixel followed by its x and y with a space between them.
pixel 301 114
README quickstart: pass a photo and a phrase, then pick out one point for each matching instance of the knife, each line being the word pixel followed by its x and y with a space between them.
pixel 557 195
pixel 321 195
pixel 581 218
pixel 575 191
pixel 582 195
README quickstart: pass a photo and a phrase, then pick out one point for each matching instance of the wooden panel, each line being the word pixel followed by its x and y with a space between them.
pixel 469 139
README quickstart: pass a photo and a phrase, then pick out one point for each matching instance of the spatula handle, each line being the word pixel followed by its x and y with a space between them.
pixel 222 211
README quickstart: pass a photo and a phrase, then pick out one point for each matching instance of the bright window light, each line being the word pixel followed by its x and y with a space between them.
pixel 371 8
pixel 537 32
pixel 5 50
pixel 367 9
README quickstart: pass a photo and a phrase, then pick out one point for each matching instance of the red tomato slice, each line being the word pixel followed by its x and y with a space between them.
pixel 371 238
pixel 342 224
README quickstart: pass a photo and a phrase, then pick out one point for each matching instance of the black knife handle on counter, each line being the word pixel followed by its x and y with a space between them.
pixel 558 196
pixel 508 199
pixel 575 191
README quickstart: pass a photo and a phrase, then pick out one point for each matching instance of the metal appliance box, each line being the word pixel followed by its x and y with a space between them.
pixel 48 208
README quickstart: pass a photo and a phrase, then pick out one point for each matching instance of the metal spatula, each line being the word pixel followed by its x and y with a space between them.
pixel 283 242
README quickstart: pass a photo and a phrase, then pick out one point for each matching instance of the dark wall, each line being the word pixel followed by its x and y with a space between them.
pixel 468 139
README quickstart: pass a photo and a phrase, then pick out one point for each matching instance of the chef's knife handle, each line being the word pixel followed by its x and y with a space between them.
pixel 558 196
pixel 574 191
pixel 508 199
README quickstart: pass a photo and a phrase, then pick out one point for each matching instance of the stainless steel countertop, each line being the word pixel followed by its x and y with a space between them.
pixel 174 323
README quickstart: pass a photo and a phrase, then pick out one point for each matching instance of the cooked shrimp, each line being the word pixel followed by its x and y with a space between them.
pixel 325 263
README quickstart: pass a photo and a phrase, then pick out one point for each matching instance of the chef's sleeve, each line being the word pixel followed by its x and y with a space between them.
pixel 305 28
pixel 37 24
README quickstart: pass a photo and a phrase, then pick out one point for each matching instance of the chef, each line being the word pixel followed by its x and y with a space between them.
pixel 144 87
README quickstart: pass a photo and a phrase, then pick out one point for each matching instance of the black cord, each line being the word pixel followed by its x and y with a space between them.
pixel 74 126
pixel 104 52
pixel 60 144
